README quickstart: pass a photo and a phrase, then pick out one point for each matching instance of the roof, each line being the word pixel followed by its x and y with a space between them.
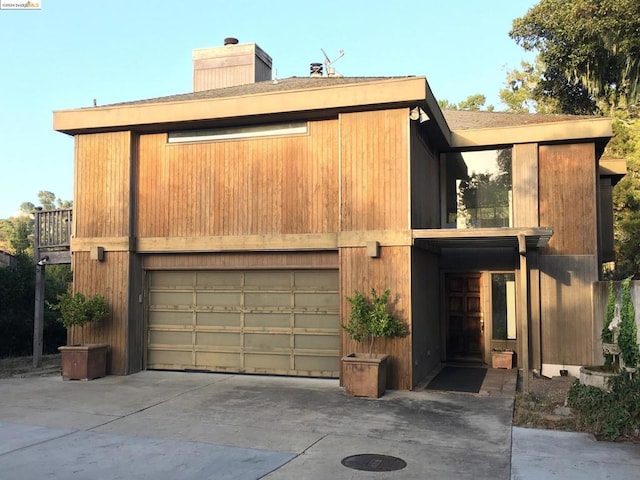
pixel 292 83
pixel 467 119
pixel 317 97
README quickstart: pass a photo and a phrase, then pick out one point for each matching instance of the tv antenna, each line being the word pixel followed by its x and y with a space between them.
pixel 328 63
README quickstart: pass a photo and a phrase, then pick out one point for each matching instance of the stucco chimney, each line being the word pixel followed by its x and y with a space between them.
pixel 230 65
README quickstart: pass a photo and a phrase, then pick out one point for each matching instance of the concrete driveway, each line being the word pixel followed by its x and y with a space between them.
pixel 168 425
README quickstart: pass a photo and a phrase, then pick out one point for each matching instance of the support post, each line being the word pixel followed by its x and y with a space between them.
pixel 523 310
pixel 38 319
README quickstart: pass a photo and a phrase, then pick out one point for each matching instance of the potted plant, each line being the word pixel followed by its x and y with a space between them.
pixel 82 362
pixel 365 374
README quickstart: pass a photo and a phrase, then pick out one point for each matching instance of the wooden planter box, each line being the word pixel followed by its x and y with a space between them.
pixel 84 362
pixel 365 375
pixel 502 360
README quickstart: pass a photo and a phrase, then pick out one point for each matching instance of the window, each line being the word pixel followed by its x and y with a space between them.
pixel 477 187
pixel 503 306
pixel 232 133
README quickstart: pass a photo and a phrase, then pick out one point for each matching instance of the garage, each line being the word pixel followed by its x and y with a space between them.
pixel 283 322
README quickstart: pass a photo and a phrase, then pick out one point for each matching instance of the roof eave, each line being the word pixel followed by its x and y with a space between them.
pixel 597 128
pixel 397 91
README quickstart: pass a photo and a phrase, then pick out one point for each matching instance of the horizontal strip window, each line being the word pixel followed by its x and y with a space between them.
pixel 233 133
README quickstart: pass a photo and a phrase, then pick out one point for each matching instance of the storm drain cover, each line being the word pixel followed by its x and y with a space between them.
pixel 372 462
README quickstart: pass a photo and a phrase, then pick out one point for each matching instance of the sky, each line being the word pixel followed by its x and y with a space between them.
pixel 70 52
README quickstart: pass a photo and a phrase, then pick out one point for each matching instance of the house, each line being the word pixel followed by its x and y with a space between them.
pixel 227 226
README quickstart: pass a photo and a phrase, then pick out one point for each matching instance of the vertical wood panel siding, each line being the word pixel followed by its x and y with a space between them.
pixel 425 183
pixel 525 185
pixel 392 270
pixel 569 264
pixel 565 284
pixel 242 187
pixel 109 279
pixel 375 170
pixel 567 176
pixel 213 261
pixel 102 185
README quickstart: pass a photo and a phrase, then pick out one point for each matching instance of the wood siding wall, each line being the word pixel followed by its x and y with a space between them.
pixel 525 185
pixel 102 185
pixel 425 183
pixel 103 209
pixel 392 270
pixel 569 264
pixel 426 324
pixel 567 178
pixel 242 187
pixel 374 170
pixel 109 279
pixel 242 261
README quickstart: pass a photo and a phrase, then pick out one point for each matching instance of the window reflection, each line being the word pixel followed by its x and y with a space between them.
pixel 478 189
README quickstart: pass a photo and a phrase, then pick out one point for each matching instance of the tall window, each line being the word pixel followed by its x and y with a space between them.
pixel 503 306
pixel 477 187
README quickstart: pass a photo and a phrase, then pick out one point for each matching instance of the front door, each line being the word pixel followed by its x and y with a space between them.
pixel 465 324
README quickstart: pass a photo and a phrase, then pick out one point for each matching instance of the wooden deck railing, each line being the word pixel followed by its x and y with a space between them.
pixel 53 235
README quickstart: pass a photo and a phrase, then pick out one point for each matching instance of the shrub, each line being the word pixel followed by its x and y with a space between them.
pixel 370 319
pixel 76 309
pixel 612 414
pixel 628 336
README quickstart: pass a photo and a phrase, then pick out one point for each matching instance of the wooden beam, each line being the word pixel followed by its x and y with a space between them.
pixel 112 244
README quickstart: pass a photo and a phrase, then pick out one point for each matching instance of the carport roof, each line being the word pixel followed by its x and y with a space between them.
pixel 517 238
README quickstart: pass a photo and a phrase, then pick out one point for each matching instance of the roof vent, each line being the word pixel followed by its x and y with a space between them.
pixel 315 70
pixel 230 41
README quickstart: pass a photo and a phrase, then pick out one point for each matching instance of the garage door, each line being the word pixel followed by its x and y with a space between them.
pixel 276 322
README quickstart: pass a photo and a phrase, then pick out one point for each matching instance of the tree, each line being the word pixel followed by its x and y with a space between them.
pixel 543 89
pixel 474 103
pixel 591 45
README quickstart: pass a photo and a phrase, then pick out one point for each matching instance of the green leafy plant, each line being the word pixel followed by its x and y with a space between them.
pixel 607 335
pixel 370 319
pixel 628 337
pixel 76 309
pixel 612 414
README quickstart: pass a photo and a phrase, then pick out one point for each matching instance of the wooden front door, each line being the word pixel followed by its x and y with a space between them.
pixel 465 324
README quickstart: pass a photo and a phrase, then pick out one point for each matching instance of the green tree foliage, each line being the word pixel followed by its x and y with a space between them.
pixel 17 285
pixel 543 89
pixel 17 290
pixel 473 103
pixel 589 44
pixel 626 200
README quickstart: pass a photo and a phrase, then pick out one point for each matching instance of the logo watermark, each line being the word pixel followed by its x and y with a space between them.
pixel 17 5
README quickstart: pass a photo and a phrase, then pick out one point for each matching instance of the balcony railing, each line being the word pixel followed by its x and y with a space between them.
pixel 53 236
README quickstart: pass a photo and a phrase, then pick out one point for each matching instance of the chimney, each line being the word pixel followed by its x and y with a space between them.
pixel 230 65
pixel 315 70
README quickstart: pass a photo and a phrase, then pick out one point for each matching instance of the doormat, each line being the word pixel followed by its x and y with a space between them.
pixel 458 379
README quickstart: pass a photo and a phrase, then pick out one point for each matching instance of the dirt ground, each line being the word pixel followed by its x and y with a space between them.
pixel 545 404
pixel 23 366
